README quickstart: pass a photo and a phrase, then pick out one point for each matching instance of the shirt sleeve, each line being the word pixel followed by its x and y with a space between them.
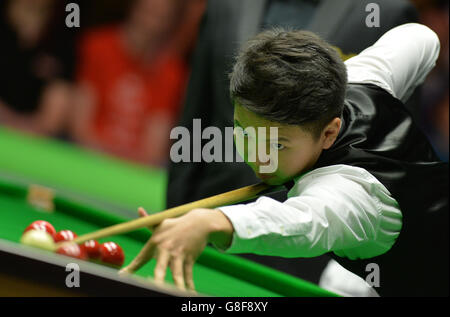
pixel 339 208
pixel 398 62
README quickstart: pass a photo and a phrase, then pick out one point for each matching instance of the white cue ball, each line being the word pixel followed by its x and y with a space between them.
pixel 39 239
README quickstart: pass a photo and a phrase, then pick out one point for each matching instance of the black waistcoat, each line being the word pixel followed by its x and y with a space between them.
pixel 379 135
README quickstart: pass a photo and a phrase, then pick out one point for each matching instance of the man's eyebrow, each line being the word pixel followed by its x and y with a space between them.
pixel 282 139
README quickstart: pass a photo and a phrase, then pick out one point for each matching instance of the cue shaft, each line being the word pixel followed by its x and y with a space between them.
pixel 228 198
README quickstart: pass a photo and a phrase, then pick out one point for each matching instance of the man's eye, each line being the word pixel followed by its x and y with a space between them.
pixel 277 146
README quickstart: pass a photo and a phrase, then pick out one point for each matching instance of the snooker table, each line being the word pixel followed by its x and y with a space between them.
pixel 215 273
pixel 84 174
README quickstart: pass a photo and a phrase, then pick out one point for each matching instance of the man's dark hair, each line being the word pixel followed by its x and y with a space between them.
pixel 290 77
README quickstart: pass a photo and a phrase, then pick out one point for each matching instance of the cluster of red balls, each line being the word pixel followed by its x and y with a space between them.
pixel 42 234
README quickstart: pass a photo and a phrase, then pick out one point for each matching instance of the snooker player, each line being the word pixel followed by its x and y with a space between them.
pixel 366 185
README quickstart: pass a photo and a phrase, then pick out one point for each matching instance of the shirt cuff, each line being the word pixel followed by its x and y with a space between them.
pixel 240 217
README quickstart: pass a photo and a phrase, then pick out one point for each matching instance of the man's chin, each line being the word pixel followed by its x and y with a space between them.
pixel 271 180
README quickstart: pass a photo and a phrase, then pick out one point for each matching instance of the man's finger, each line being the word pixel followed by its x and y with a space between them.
pixel 142 213
pixel 161 265
pixel 176 266
pixel 189 274
pixel 143 257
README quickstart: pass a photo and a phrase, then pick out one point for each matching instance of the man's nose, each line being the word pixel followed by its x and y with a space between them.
pixel 262 161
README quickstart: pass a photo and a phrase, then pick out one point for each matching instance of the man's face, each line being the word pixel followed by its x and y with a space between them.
pixel 297 149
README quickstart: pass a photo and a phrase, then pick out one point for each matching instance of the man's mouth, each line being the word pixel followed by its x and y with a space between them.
pixel 264 176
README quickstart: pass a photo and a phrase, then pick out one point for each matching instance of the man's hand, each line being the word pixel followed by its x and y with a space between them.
pixel 177 243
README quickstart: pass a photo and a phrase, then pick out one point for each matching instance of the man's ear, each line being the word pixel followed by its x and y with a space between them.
pixel 330 133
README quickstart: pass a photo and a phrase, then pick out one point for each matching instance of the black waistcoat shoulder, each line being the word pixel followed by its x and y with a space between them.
pixel 379 135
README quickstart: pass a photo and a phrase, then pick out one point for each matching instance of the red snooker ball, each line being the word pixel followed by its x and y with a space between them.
pixel 92 248
pixel 73 250
pixel 65 235
pixel 41 225
pixel 111 253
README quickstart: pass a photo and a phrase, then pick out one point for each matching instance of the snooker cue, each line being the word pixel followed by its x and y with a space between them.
pixel 227 198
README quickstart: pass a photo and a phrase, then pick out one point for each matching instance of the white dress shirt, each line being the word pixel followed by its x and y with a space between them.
pixel 341 208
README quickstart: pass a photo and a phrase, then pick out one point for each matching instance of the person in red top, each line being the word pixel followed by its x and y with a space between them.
pixel 132 84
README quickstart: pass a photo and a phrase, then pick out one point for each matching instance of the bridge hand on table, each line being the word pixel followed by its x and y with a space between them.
pixel 175 243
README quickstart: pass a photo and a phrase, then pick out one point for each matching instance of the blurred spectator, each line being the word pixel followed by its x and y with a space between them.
pixel 36 62
pixel 434 106
pixel 132 77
